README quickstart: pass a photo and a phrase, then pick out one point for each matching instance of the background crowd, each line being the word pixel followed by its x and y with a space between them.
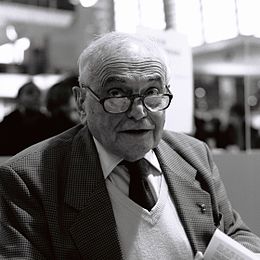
pixel 38 115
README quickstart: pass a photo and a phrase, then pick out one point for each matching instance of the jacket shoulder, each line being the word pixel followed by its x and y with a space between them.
pixel 181 140
pixel 194 151
pixel 45 152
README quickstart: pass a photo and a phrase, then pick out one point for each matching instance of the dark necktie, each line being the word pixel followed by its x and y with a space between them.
pixel 139 190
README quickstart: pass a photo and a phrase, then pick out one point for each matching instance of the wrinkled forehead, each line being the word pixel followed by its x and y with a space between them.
pixel 131 69
pixel 129 60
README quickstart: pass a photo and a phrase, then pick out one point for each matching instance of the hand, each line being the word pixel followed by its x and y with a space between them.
pixel 199 256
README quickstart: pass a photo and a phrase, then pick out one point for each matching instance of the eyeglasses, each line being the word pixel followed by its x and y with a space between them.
pixel 117 105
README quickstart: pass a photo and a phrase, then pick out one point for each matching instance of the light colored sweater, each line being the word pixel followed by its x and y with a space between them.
pixel 157 234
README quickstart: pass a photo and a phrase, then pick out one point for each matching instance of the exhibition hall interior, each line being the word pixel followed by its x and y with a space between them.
pixel 214 51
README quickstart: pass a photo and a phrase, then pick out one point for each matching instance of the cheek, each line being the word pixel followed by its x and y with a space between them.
pixel 158 120
pixel 92 113
pixel 100 123
pixel 92 109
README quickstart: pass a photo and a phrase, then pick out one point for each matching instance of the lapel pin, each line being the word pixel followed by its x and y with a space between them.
pixel 202 207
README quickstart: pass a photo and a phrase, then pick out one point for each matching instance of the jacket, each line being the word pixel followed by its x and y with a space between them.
pixel 54 202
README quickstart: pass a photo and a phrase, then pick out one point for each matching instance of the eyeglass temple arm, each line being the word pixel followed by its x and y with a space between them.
pixel 91 91
pixel 94 94
pixel 168 88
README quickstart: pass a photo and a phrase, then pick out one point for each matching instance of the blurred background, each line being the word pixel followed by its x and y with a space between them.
pixel 214 50
pixel 40 40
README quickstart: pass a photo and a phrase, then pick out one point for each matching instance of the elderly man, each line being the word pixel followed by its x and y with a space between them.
pixel 117 186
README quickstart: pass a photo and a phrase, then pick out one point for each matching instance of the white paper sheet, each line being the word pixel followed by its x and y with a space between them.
pixel 223 247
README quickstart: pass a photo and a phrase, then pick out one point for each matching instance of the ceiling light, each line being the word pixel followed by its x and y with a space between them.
pixel 11 32
pixel 88 3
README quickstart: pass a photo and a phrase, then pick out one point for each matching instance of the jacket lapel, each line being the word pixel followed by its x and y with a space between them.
pixel 94 229
pixel 192 202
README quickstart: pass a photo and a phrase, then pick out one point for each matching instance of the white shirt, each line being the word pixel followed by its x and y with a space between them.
pixel 118 176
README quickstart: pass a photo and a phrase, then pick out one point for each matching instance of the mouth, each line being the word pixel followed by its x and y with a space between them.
pixel 136 131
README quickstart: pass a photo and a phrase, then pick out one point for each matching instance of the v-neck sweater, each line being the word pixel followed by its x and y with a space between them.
pixel 155 234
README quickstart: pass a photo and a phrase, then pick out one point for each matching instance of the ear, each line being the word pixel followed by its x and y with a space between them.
pixel 80 95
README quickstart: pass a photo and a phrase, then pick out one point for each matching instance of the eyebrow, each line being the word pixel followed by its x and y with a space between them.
pixel 112 79
pixel 156 78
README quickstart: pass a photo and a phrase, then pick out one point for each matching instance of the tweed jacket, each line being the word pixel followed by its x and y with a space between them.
pixel 54 202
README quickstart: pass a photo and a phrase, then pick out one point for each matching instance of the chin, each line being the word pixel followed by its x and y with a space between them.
pixel 134 154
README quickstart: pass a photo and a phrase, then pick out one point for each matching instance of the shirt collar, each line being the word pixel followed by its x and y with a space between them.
pixel 109 161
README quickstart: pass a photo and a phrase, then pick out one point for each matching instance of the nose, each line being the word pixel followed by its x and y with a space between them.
pixel 137 110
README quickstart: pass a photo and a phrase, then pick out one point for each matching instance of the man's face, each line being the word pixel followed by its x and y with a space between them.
pixel 130 71
pixel 130 134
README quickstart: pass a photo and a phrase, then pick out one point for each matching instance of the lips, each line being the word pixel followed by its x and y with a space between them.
pixel 137 128
pixel 136 131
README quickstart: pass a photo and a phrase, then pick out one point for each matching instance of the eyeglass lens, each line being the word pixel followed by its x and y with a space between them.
pixel 117 105
pixel 156 103
pixel 152 103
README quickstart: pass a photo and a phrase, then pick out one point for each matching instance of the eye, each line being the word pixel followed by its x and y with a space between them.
pixel 152 91
pixel 115 92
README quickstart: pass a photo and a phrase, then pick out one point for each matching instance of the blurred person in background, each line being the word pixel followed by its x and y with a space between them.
pixel 61 106
pixel 23 126
pixel 232 132
pixel 207 130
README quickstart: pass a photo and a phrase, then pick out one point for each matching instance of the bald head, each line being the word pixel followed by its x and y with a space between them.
pixel 124 55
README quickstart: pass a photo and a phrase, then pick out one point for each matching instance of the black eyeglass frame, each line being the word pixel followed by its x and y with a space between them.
pixel 131 98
